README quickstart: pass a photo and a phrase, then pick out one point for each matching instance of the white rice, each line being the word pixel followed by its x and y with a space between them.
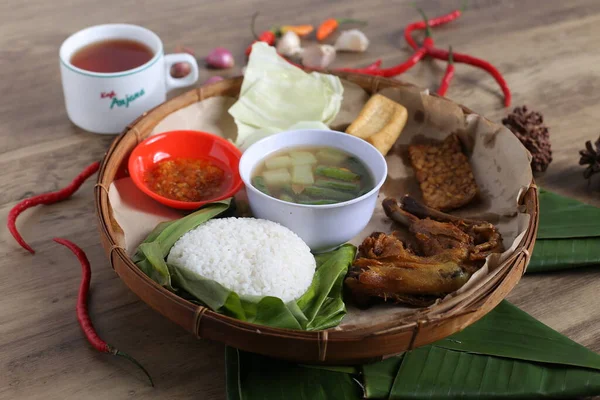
pixel 248 256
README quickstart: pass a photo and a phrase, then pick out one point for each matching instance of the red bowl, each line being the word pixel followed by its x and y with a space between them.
pixel 185 144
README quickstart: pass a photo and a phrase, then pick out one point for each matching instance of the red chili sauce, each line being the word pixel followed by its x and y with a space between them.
pixel 186 179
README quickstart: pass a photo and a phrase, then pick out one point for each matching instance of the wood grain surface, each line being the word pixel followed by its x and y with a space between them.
pixel 545 50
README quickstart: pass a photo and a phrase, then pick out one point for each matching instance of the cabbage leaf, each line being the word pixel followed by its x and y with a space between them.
pixel 276 95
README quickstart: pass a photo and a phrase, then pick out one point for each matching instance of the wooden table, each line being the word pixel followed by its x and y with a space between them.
pixel 546 53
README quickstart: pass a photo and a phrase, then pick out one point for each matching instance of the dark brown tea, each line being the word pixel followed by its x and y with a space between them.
pixel 113 55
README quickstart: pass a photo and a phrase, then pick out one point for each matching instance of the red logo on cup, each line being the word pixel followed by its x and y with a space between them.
pixel 110 95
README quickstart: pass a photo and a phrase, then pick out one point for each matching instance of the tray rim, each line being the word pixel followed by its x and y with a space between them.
pixel 323 347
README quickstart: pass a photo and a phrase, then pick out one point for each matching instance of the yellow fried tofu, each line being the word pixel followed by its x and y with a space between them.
pixel 380 122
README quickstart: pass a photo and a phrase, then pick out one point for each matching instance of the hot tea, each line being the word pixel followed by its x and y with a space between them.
pixel 113 55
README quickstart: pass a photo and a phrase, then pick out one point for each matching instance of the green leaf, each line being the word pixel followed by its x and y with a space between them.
pixel 167 233
pixel 432 372
pixel 506 354
pixel 152 263
pixel 321 307
pixel 250 376
pixel 557 254
pixel 379 377
pixel 325 292
pixel 568 234
pixel 345 369
pixel 510 332
pixel 563 217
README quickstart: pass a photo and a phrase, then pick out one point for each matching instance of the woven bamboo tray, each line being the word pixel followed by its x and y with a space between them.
pixel 323 347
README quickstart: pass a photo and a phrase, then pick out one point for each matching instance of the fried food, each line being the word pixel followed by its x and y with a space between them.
pixel 380 122
pixel 446 251
pixel 444 174
pixel 485 236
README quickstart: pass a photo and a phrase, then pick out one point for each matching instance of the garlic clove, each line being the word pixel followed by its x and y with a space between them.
pixel 352 40
pixel 289 44
pixel 319 57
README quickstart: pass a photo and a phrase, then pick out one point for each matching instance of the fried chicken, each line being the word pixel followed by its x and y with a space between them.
pixel 447 251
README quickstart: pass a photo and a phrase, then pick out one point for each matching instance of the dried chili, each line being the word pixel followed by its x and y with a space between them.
pixel 83 316
pixel 448 75
pixel 46 198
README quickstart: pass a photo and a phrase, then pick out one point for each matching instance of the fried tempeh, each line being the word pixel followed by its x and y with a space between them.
pixel 444 174
pixel 380 122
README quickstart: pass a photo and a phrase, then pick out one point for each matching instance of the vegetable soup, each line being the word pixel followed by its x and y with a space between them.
pixel 312 175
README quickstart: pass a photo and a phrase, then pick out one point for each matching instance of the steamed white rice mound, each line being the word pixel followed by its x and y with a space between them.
pixel 249 256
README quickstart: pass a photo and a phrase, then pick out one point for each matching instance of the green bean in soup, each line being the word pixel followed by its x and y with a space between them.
pixel 313 176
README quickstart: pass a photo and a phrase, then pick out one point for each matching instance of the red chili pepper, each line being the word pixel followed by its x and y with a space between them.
pixel 402 67
pixel 46 198
pixel 437 21
pixel 448 75
pixel 391 71
pixel 441 54
pixel 375 65
pixel 83 316
pixel 268 37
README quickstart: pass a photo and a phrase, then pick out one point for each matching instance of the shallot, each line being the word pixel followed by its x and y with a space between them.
pixel 220 58
pixel 181 69
pixel 318 57
pixel 352 40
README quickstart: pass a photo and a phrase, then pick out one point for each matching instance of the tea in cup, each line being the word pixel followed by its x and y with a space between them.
pixel 113 73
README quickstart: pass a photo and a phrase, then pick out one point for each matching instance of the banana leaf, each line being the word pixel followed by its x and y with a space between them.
pixel 506 354
pixel 150 255
pixel 250 376
pixel 510 332
pixel 433 372
pixel 321 307
pixel 568 234
pixel 563 217
pixel 557 254
pixel 379 377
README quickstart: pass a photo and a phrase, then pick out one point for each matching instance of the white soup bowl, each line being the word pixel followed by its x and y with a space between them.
pixel 322 227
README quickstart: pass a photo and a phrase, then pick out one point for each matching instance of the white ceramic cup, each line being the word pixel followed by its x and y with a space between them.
pixel 322 227
pixel 107 102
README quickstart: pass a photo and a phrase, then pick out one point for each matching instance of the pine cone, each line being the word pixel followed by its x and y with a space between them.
pixel 590 156
pixel 528 127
